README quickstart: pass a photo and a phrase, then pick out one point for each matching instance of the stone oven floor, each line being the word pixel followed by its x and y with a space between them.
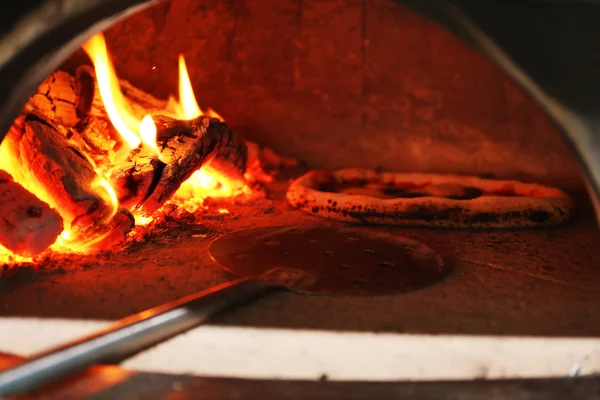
pixel 528 282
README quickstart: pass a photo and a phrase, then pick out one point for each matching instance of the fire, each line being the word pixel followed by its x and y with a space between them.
pixel 115 104
pixel 8 257
pixel 106 191
pixel 148 133
pixel 203 183
pixel 189 106
pixel 136 133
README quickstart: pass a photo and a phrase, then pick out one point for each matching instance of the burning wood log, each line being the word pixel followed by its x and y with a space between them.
pixel 145 181
pixel 225 161
pixel 57 99
pixel 28 226
pixel 48 164
pixel 140 102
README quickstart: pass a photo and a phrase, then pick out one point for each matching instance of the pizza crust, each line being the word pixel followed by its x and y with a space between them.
pixel 468 202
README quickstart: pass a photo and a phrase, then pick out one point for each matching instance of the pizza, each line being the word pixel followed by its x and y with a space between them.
pixel 428 200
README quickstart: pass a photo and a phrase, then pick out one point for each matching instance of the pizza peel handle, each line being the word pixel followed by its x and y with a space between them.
pixel 312 259
pixel 128 336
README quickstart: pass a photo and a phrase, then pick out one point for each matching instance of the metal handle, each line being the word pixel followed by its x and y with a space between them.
pixel 127 336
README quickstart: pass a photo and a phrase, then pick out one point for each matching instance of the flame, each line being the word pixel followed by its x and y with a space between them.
pixel 148 133
pixel 7 257
pixel 189 106
pixel 67 242
pixel 134 132
pixel 108 194
pixel 205 182
pixel 108 84
pixel 213 114
pixel 142 220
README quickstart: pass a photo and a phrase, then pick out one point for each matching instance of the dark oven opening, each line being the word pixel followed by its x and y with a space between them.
pixel 194 121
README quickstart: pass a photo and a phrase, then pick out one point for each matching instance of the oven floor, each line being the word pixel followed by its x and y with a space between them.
pixel 528 282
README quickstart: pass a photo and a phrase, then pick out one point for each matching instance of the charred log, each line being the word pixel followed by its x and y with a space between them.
pixel 90 102
pixel 57 99
pixel 52 167
pixel 28 226
pixel 93 137
pixel 146 180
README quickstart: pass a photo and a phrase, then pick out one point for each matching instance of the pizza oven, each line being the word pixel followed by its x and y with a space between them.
pixel 148 146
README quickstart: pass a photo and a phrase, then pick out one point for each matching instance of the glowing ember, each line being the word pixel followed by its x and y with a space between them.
pixel 66 242
pixel 206 183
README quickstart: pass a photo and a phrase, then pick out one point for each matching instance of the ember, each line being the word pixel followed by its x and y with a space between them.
pixel 96 156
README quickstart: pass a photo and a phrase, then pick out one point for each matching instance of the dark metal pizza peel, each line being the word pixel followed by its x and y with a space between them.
pixel 306 259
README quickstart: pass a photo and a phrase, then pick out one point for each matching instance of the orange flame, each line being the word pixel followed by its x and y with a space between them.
pixel 205 182
pixel 114 102
pixel 189 106
pixel 134 132
pixel 108 194
pixel 148 133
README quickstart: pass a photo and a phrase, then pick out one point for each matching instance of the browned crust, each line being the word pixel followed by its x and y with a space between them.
pixel 532 205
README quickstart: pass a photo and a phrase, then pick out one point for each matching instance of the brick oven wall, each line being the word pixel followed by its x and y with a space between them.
pixel 345 83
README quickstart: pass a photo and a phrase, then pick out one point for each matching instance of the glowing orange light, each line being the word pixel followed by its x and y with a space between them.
pixel 142 220
pixel 66 235
pixel 206 180
pixel 114 102
pixel 213 114
pixel 187 107
pixel 134 131
pixel 8 257
pixel 187 99
pixel 148 133
pixel 108 194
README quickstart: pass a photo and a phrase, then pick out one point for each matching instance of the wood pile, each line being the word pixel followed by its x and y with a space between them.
pixel 64 137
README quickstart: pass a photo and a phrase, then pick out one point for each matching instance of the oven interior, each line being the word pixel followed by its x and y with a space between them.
pixel 318 82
